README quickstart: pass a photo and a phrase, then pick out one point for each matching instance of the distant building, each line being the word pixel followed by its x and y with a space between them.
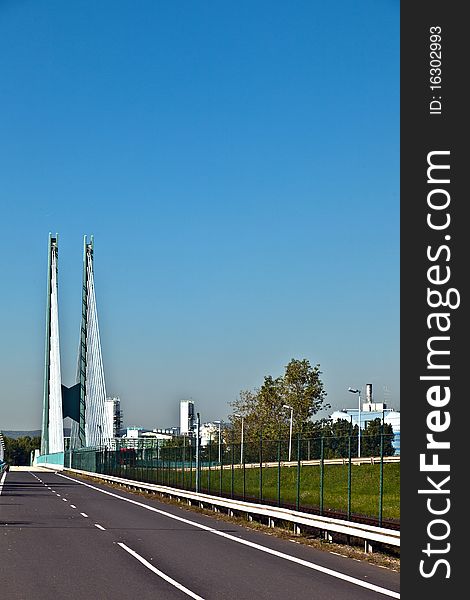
pixel 173 431
pixel 370 411
pixel 134 432
pixel 156 435
pixel 393 418
pixel 138 437
pixel 112 418
pixel 187 419
pixel 208 432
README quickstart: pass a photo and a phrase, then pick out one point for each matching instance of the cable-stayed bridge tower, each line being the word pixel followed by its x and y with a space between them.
pixel 84 402
pixel 52 439
pixel 90 373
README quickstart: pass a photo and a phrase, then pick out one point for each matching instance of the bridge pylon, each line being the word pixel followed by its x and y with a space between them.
pixel 90 428
pixel 52 438
pixel 84 402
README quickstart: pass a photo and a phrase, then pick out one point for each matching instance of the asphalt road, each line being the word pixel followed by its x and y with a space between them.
pixel 63 538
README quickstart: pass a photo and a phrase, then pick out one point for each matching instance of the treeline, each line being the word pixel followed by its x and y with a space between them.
pixel 18 451
pixel 266 413
pixel 326 439
pixel 340 438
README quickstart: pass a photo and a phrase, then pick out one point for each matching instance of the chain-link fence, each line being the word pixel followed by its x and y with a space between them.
pixel 328 475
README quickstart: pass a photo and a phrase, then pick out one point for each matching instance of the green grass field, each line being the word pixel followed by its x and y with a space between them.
pixel 365 486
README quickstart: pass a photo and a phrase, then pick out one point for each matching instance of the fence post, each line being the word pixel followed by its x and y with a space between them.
pixel 152 469
pixel 298 472
pixel 181 454
pixel 147 454
pixel 209 471
pixel 279 472
pixel 349 477
pixel 381 492
pixel 190 463
pixel 168 466
pixel 183 463
pixel 244 475
pixel 221 466
pixel 198 452
pixel 260 468
pixel 232 469
pixel 321 474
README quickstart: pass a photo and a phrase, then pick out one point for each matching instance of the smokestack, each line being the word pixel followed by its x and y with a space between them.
pixel 368 393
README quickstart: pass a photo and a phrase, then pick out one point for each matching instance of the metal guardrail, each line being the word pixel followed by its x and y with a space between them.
pixel 326 525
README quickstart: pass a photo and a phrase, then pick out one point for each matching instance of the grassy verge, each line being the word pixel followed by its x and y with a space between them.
pixel 365 486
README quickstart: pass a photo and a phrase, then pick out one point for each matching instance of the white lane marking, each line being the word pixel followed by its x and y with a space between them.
pixel 159 573
pixel 73 506
pixel 84 515
pixel 64 499
pixel 100 527
pixel 58 495
pixel 299 561
pixel 2 481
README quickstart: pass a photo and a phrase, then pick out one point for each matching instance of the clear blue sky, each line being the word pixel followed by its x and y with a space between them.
pixel 238 165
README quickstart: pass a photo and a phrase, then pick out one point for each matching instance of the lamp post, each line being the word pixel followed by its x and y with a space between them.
pixel 358 392
pixel 290 428
pixel 241 438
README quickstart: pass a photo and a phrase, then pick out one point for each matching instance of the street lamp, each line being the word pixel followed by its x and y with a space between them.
pixel 354 391
pixel 219 423
pixel 290 428
pixel 241 444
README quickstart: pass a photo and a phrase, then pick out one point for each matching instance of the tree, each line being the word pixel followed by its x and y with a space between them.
pixel 18 451
pixel 263 409
pixel 247 407
pixel 336 439
pixel 303 390
pixel 370 442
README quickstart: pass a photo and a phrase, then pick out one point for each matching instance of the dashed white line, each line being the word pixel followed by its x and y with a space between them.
pixel 64 499
pixel 73 506
pixel 100 527
pixel 84 515
pixel 266 549
pixel 159 573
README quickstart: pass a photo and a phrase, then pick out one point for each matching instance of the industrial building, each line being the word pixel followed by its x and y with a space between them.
pixel 369 411
pixel 187 417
